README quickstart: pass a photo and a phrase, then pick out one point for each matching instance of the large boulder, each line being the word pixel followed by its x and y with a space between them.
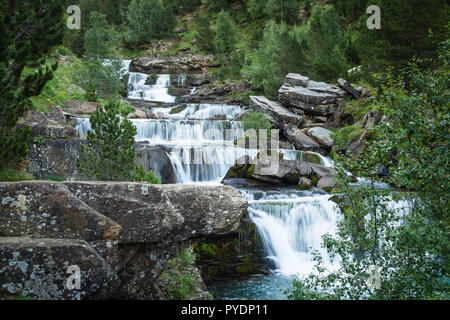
pixel 312 97
pixel 276 110
pixel 41 269
pixel 158 213
pixel 344 84
pixel 321 136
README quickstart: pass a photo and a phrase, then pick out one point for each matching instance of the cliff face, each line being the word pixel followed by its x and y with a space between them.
pixel 120 235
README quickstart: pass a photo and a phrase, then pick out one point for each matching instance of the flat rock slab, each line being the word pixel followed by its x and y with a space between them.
pixel 301 140
pixel 38 268
pixel 276 110
pixel 155 213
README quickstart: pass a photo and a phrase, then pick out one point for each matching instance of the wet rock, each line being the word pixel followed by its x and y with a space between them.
pixel 38 268
pixel 321 136
pixel 174 65
pixel 305 184
pixel 327 183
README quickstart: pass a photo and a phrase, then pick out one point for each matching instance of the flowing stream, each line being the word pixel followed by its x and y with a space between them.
pixel 290 222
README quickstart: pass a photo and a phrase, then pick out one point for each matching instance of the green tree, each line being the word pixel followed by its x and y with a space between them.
pixel 225 39
pixel 30 30
pixel 99 39
pixel 284 11
pixel 410 251
pixel 326 44
pixel 278 54
pixel 400 37
pixel 205 34
pixel 110 153
pixel 256 8
pixel 149 19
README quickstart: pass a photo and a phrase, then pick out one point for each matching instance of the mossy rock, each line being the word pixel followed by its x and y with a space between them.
pixel 312 158
pixel 247 268
pixel 178 109
pixel 151 80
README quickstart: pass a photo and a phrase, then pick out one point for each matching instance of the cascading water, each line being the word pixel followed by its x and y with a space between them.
pixel 139 89
pixel 290 223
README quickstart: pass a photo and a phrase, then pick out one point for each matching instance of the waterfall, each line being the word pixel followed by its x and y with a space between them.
pixel 200 111
pixel 291 226
pixel 181 81
pixel 159 92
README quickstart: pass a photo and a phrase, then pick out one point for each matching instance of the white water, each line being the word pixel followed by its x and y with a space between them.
pixel 159 92
pixel 200 111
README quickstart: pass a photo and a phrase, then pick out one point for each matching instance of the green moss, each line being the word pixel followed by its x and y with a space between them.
pixel 312 158
pixel 359 108
pixel 344 136
pixel 178 109
pixel 247 268
pixel 12 175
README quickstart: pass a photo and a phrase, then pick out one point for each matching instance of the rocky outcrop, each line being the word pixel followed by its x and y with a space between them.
pixel 322 136
pixel 279 171
pixel 120 235
pixel 312 97
pixel 41 268
pixel 50 126
pixel 81 108
pixel 56 159
pixel 281 115
pixel 174 65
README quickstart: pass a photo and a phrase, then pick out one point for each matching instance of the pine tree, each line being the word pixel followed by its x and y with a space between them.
pixel 256 8
pixel 225 39
pixel 110 153
pixel 149 19
pixel 29 31
pixel 99 38
pixel 284 11
pixel 205 34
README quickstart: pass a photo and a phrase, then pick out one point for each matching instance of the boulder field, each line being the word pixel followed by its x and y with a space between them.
pixel 119 236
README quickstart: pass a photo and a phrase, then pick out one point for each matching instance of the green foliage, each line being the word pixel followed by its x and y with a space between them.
pixel 178 270
pixel 110 152
pixel 205 34
pixel 91 93
pixel 284 11
pixel 99 38
pixel 257 121
pixel 409 250
pixel 149 19
pixel 29 32
pixel 278 54
pixel 12 175
pixel 400 38
pixel 225 39
pixel 217 4
pixel 256 8
pixel 344 136
pixel 105 77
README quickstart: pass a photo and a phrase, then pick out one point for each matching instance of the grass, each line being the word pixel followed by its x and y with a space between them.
pixel 13 175
pixel 346 135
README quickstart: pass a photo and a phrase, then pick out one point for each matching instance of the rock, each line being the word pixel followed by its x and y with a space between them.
pixel 139 114
pixel 316 98
pixel 73 88
pixel 304 183
pixel 311 157
pixel 314 171
pixel 52 125
pixel 218 117
pixel 371 119
pixel 159 213
pixel 80 107
pixel 344 84
pixel 301 140
pixel 56 159
pixel 327 183
pixel 322 136
pixel 38 268
pixel 276 110
pixel 174 65
pixel 49 210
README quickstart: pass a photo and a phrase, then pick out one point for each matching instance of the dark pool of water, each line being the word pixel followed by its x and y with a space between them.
pixel 259 287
